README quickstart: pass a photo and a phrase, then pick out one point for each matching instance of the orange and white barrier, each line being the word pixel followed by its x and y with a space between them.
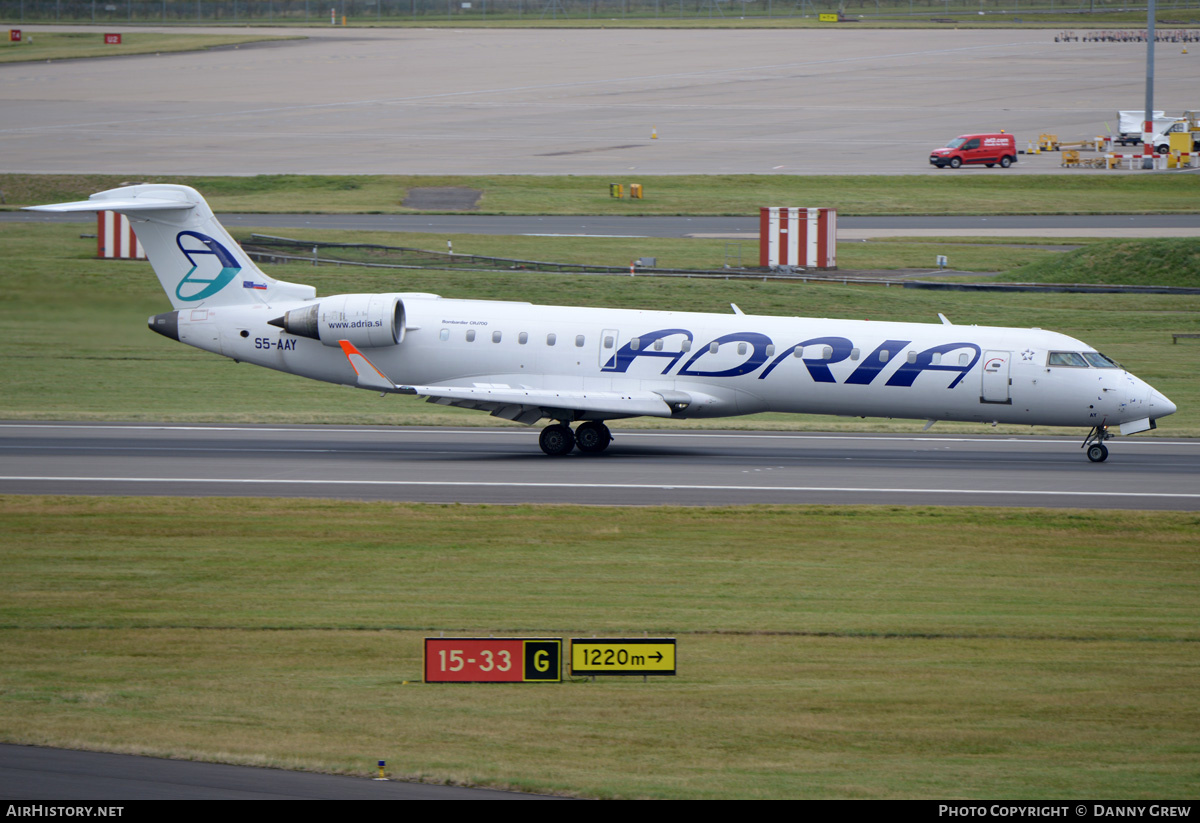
pixel 115 237
pixel 798 237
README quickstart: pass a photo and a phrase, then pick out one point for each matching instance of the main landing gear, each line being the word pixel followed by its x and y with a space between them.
pixel 1097 452
pixel 591 437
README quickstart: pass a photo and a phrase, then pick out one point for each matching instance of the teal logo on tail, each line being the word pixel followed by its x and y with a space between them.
pixel 199 286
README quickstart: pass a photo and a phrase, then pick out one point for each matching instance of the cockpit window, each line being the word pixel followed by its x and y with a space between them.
pixel 1066 358
pixel 1099 361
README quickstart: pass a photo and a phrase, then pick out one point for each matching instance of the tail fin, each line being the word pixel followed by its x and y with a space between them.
pixel 196 260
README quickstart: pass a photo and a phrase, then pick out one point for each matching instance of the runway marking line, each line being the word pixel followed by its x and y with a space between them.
pixel 241 481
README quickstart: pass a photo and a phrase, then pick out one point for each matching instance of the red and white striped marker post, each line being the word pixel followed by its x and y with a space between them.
pixel 115 237
pixel 790 236
pixel 1147 148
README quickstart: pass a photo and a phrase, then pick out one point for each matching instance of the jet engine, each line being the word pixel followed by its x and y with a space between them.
pixel 366 320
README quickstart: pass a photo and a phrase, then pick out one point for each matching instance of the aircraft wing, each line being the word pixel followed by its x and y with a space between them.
pixel 525 405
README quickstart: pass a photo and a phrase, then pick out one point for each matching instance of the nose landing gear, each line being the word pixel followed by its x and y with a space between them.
pixel 591 437
pixel 1097 452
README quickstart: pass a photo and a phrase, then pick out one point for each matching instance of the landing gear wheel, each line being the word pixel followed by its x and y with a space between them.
pixel 557 440
pixel 1097 452
pixel 592 437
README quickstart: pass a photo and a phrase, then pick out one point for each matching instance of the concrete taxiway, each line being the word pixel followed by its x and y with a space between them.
pixel 610 102
pixel 33 773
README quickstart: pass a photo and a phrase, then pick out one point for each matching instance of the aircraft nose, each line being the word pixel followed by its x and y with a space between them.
pixel 1160 406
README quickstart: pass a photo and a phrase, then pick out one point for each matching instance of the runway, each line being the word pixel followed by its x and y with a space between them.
pixel 505 466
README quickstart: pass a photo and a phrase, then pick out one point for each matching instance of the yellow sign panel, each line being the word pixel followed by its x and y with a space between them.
pixel 593 656
pixel 828 18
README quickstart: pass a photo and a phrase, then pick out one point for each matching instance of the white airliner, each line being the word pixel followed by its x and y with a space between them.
pixel 527 362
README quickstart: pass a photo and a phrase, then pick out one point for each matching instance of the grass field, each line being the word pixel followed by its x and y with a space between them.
pixel 851 195
pixel 823 651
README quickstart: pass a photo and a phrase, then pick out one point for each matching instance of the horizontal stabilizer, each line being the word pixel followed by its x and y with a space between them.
pixel 131 204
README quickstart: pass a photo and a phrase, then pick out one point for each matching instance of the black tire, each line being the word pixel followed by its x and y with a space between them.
pixel 990 165
pixel 592 437
pixel 1005 161
pixel 955 162
pixel 557 440
pixel 1163 149
pixel 1097 452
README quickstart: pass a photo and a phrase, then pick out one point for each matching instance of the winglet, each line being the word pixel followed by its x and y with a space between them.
pixel 369 377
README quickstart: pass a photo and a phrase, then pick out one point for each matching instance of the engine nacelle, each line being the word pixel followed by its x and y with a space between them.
pixel 366 320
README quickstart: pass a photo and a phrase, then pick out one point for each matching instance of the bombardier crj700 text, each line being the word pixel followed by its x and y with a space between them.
pixel 526 362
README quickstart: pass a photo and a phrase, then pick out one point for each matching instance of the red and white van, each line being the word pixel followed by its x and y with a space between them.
pixel 967 149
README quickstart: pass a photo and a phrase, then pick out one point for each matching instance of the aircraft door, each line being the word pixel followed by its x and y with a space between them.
pixel 609 344
pixel 996 380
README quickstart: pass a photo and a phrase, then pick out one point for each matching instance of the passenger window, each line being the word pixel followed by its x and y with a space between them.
pixel 686 345
pixel 827 353
pixel 495 337
pixel 551 338
pixel 470 335
pixel 883 356
pixel 912 357
pixel 579 341
pixel 608 341
pixel 635 344
pixel 444 334
pixel 770 350
pixel 964 359
pixel 658 344
pixel 854 354
pixel 741 348
pixel 936 360
pixel 713 347
pixel 798 351
pixel 523 338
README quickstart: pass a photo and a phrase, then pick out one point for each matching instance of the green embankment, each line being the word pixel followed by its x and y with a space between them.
pixel 1153 262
